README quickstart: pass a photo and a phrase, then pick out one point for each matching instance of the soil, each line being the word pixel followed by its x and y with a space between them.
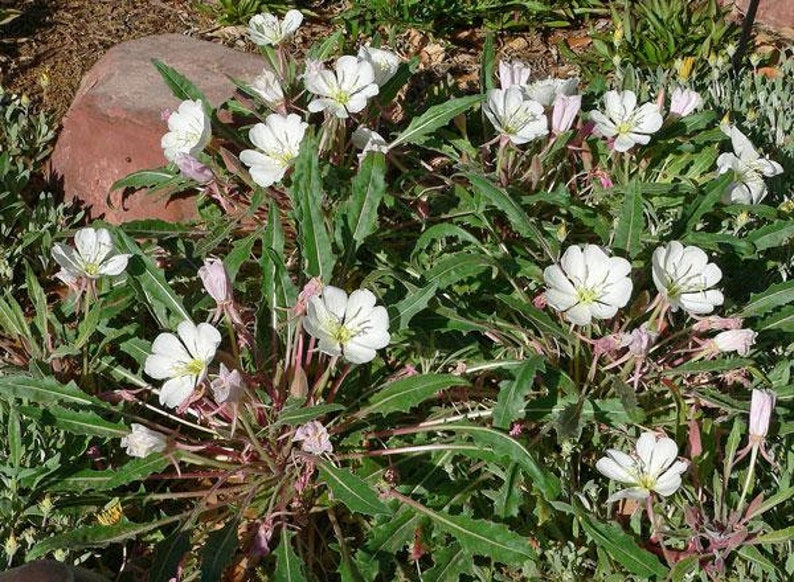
pixel 45 52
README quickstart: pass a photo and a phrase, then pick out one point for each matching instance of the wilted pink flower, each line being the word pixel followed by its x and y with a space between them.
pixel 515 73
pixel 639 341
pixel 192 168
pixel 310 289
pixel 228 386
pixel 761 405
pixel 566 107
pixel 684 101
pixel 314 437
pixel 735 340
pixel 216 280
pixel 715 322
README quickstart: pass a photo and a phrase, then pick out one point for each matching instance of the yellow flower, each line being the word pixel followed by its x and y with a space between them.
pixel 111 514
pixel 685 68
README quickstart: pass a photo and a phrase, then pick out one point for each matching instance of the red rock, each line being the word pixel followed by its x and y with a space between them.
pixel 777 14
pixel 114 124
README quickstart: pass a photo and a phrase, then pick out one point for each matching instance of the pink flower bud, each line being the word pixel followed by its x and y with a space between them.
pixel 228 386
pixel 566 107
pixel 684 101
pixel 515 73
pixel 314 438
pixel 216 280
pixel 310 289
pixel 714 322
pixel 735 340
pixel 761 406
pixel 192 168
pixel 639 341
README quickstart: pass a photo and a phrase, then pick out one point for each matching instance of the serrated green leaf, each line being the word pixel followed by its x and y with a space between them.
pixel 774 235
pixel 392 535
pixel 402 395
pixel 775 296
pixel 45 391
pixel 219 552
pixel 415 301
pixel 182 88
pixel 368 188
pixel 435 117
pixel 510 401
pixel 630 221
pixel 509 496
pixel 779 536
pixel 451 269
pixel 702 204
pixel 289 567
pixel 450 564
pixel 783 320
pixel 293 416
pixel 145 179
pixel 622 548
pixel 80 422
pixel 139 469
pixel 352 490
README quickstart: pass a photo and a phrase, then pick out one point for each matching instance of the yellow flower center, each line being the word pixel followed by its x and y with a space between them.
pixel 342 97
pixel 587 296
pixel 625 127
pixel 91 269
pixel 194 368
pixel 342 334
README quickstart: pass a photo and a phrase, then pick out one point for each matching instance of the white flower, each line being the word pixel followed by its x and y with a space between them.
pixel 625 122
pixel 588 284
pixel 189 131
pixel 735 340
pixel 683 102
pixel 384 63
pixel 143 441
pixel 566 107
pixel 182 359
pixel 762 403
pixel 748 168
pixel 314 437
pixel 654 468
pixel 266 85
pixel 514 73
pixel 228 386
pixel 266 29
pixel 278 140
pixel 685 276
pixel 546 91
pixel 93 257
pixel 368 140
pixel 350 326
pixel 216 280
pixel 344 91
pixel 514 116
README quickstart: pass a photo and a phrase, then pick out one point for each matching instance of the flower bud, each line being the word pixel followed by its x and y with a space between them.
pixel 228 386
pixel 268 88
pixel 735 340
pixel 566 107
pixel 142 441
pixel 761 406
pixel 515 73
pixel 684 101
pixel 216 280
pixel 192 168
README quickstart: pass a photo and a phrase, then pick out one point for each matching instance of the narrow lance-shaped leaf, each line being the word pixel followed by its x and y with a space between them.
pixel 510 401
pixel 289 567
pixel 435 117
pixel 402 395
pixel 630 221
pixel 354 492
pixel 415 301
pixel 219 552
pixel 45 391
pixel 167 555
pixel 361 211
pixel 81 422
pixel 775 296
pixel 181 86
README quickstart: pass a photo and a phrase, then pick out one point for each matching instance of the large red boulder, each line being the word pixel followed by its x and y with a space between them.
pixel 115 123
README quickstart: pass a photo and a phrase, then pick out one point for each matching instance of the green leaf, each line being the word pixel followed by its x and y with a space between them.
pixel 145 179
pixel 150 285
pixel 39 301
pixel 702 204
pixel 45 391
pixel 776 499
pixel 774 235
pixel 540 320
pixel 450 564
pixel 307 195
pixel 510 401
pixel 779 536
pixel 138 469
pixel 392 535
pixel 289 567
pixel 630 221
pixel 622 548
pixel 782 320
pixel 292 416
pixel 368 187
pixel 708 366
pixel 456 267
pixel 519 219
pixel 219 552
pixel 487 61
pixel 402 395
pixel 509 496
pixel 415 301
pixel 435 117
pixel 182 88
pixel 775 296
pixel 167 555
pixel 683 569
pixel 323 50
pixel 352 491
pixel 81 422
pixel 482 538
pixel 94 536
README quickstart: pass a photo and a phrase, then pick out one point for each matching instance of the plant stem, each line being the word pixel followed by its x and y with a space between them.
pixel 748 479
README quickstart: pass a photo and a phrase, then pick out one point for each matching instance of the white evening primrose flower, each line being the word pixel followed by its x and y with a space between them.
pixel 314 438
pixel 748 167
pixel 267 86
pixel 624 121
pixel 566 108
pixel 93 257
pixel 266 29
pixel 653 469
pixel 684 102
pixel 368 140
pixel 514 116
pixel 183 360
pixel 278 142
pixel 189 131
pixel 143 441
pixel 546 91
pixel 735 340
pixel 344 90
pixel 685 276
pixel 384 63
pixel 350 326
pixel 588 284
pixel 513 73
